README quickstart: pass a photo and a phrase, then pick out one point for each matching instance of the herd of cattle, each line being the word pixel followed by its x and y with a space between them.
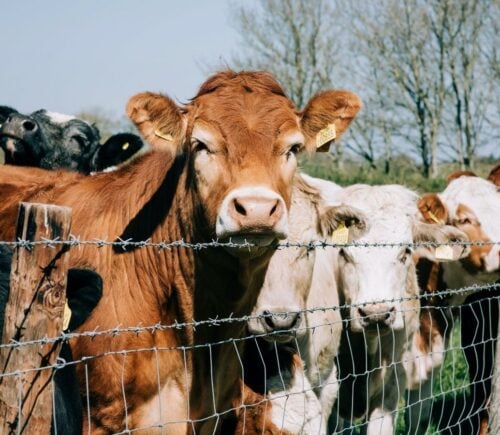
pixel 319 337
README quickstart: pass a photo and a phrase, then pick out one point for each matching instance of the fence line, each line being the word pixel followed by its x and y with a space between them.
pixel 313 244
pixel 286 394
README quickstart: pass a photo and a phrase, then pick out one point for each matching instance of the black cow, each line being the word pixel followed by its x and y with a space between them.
pixel 48 140
pixel 83 291
pixel 118 150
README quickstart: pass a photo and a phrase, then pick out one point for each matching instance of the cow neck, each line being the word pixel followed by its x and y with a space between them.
pixel 219 283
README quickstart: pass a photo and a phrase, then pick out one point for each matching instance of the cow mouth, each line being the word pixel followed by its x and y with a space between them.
pixel 11 147
pixel 279 337
pixel 256 239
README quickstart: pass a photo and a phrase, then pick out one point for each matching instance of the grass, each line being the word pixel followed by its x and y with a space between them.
pixel 404 171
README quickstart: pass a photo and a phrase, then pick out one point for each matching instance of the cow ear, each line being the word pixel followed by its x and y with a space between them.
pixel 159 119
pixel 432 209
pixel 494 175
pixel 444 236
pixel 334 218
pixel 327 116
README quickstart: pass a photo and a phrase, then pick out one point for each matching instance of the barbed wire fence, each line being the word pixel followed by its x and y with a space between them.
pixel 448 395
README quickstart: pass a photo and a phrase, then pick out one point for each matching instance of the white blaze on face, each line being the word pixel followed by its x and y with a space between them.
pixel 375 279
pixel 483 199
pixel 59 118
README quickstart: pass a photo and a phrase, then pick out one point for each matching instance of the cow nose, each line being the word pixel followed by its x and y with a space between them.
pixel 28 125
pixel 255 211
pixel 377 315
pixel 282 321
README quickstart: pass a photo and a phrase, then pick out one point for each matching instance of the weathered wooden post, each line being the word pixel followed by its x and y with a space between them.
pixel 34 311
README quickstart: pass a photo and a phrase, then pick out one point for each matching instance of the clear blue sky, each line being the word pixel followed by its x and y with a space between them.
pixel 72 55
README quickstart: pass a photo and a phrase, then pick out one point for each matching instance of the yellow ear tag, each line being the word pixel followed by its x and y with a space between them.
pixel 434 217
pixel 326 135
pixel 444 252
pixel 164 136
pixel 125 146
pixel 341 235
pixel 66 315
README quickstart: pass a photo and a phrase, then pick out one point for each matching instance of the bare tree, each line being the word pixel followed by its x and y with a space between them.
pixel 295 40
pixel 425 69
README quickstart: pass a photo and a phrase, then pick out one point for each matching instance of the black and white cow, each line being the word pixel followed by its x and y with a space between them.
pixel 49 140
pixel 83 291
pixel 54 141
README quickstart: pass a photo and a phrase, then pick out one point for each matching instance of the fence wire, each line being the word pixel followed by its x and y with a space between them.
pixel 364 387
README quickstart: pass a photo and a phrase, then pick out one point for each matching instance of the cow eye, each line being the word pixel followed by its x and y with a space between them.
pixel 464 221
pixel 293 150
pixel 199 146
pixel 80 140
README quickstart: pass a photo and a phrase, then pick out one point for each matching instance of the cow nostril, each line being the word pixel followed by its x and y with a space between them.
pixel 29 125
pixel 274 208
pixel 239 208
pixel 361 312
pixel 268 318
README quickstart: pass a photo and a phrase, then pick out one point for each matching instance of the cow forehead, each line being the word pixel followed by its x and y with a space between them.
pixel 238 114
pixel 391 211
pixel 480 196
pixel 58 118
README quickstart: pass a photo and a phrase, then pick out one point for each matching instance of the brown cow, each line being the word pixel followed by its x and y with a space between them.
pixel 225 171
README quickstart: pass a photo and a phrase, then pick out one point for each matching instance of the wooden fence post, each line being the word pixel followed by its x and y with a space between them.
pixel 34 311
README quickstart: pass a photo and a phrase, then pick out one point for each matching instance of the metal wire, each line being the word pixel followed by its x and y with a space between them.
pixel 288 394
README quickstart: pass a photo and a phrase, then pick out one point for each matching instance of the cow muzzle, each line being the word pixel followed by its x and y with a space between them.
pixel 280 325
pixel 256 215
pixel 378 318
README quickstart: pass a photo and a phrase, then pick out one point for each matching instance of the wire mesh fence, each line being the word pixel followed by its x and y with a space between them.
pixel 432 374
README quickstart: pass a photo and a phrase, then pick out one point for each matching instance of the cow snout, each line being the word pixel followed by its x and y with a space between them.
pixel 252 211
pixel 280 321
pixel 257 214
pixel 19 126
pixel 377 315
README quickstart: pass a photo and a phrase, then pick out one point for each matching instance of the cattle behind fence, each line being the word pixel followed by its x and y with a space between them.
pixel 272 375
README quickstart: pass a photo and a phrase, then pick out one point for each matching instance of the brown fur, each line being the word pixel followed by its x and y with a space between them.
pixel 457 174
pixel 430 206
pixel 157 198
pixel 494 175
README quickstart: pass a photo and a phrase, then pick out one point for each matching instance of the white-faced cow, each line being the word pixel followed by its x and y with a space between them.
pixel 298 304
pixel 378 286
pixel 471 204
pixel 225 172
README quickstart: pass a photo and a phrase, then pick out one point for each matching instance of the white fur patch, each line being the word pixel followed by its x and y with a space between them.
pixel 59 118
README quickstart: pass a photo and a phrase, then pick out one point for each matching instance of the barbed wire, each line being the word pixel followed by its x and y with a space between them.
pixel 214 322
pixel 313 244
pixel 294 333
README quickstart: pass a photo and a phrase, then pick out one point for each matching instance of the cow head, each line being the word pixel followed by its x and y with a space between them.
pixel 278 313
pixel 48 140
pixel 377 281
pixel 240 135
pixel 118 150
pixel 472 205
